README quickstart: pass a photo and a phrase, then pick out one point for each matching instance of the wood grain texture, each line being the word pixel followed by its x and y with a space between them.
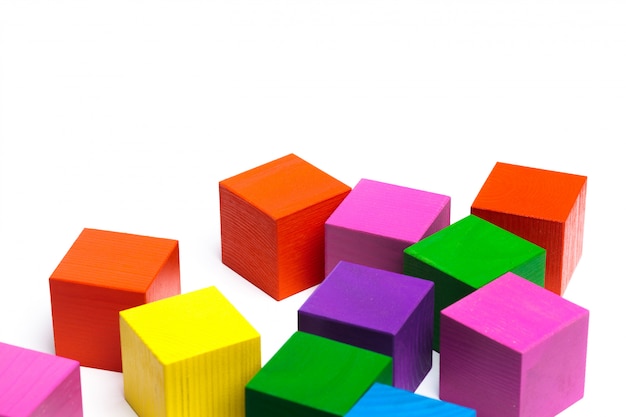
pixel 375 223
pixel 188 355
pixel 542 206
pixel 513 349
pixel 385 401
pixel 37 384
pixel 379 310
pixel 467 255
pixel 314 376
pixel 103 273
pixel 272 224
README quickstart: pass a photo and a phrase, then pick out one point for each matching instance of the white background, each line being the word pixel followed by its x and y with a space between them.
pixel 125 115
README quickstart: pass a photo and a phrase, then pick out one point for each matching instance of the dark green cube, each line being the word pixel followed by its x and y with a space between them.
pixel 467 255
pixel 311 376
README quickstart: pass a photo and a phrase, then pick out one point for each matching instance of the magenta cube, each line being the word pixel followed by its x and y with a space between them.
pixel 34 384
pixel 383 311
pixel 513 349
pixel 376 221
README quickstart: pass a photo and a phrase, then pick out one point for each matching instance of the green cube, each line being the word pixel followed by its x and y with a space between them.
pixel 311 376
pixel 467 255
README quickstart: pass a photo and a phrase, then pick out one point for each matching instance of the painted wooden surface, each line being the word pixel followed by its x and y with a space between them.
pixel 513 349
pixel 188 355
pixel 37 384
pixel 375 223
pixel 314 376
pixel 103 273
pixel 272 224
pixel 284 226
pixel 542 206
pixel 379 310
pixel 467 255
pixel 385 401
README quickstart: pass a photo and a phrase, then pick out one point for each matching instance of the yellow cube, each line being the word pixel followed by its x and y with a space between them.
pixel 188 355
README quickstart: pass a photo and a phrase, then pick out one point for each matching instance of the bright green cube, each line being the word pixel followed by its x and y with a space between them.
pixel 467 255
pixel 312 376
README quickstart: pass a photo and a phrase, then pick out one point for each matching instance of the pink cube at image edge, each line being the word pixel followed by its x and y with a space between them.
pixel 513 349
pixel 34 384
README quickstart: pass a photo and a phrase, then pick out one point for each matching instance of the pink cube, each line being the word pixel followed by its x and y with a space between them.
pixel 513 349
pixel 34 384
pixel 376 221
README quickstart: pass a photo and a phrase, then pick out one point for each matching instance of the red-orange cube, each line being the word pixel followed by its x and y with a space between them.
pixel 102 274
pixel 544 207
pixel 272 224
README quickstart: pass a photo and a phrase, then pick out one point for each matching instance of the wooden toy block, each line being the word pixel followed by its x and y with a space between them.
pixel 468 254
pixel 379 310
pixel 37 384
pixel 188 355
pixel 103 273
pixel 375 223
pixel 544 207
pixel 272 224
pixel 385 401
pixel 312 376
pixel 513 349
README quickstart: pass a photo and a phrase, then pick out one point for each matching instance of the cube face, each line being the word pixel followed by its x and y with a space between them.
pixel 513 349
pixel 314 376
pixel 103 273
pixel 468 255
pixel 92 311
pixel 377 221
pixel 216 353
pixel 385 401
pixel 542 206
pixel 378 310
pixel 36 384
pixel 272 224
pixel 499 392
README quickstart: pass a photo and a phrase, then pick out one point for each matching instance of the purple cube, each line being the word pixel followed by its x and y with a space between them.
pixel 379 310
pixel 34 383
pixel 513 349
pixel 376 221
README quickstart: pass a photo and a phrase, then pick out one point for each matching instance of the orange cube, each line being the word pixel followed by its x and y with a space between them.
pixel 102 274
pixel 541 206
pixel 272 224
